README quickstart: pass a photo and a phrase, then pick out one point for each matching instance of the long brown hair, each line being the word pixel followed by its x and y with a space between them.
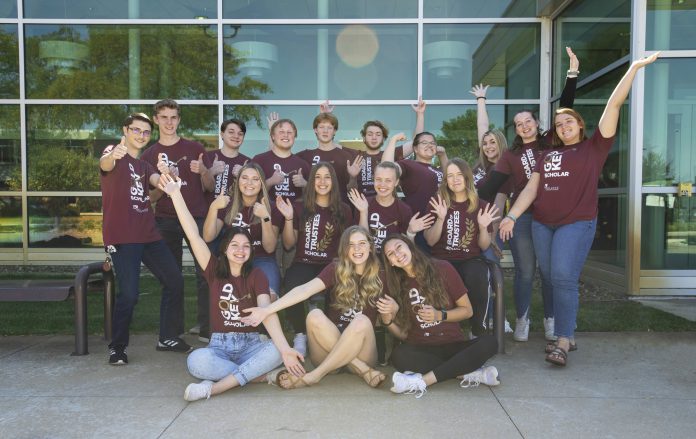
pixel 430 283
pixel 238 200
pixel 518 143
pixel 310 197
pixel 352 290
pixel 556 141
pixel 222 268
pixel 469 189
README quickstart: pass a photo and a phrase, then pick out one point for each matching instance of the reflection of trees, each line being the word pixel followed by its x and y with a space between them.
pixel 459 137
pixel 9 62
pixel 656 169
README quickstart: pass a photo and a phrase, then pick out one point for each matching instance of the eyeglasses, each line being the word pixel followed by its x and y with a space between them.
pixel 428 143
pixel 138 132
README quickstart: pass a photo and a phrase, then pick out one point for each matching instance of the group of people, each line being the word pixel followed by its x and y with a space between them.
pixel 280 230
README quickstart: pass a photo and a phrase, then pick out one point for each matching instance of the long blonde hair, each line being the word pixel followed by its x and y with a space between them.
pixel 238 200
pixel 500 140
pixel 469 189
pixel 351 290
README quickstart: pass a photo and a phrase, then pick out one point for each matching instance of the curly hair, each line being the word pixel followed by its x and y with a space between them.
pixel 236 194
pixel 469 189
pixel 352 290
pixel 430 283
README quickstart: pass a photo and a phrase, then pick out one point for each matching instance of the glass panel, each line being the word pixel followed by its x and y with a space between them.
pixel 505 56
pixel 265 9
pixel 9 62
pixel 670 123
pixel 75 135
pixel 10 158
pixel 671 25
pixel 120 9
pixel 668 239
pixel 599 36
pixel 312 62
pixel 119 62
pixel 8 8
pixel 479 9
pixel 10 222
pixel 609 245
pixel 65 222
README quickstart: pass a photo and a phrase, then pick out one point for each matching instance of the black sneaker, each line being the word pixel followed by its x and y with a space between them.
pixel 117 356
pixel 174 345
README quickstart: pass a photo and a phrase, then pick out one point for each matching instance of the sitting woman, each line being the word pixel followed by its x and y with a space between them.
pixel 461 233
pixel 236 354
pixel 343 336
pixel 252 210
pixel 427 320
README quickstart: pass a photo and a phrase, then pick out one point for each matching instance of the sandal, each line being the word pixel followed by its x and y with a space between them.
pixel 550 346
pixel 558 357
pixel 373 378
pixel 286 380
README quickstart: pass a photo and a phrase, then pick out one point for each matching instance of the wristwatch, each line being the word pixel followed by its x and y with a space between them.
pixel 444 315
pixel 267 219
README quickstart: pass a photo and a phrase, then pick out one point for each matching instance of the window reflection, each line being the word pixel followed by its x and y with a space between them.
pixel 266 9
pixel 668 239
pixel 120 9
pixel 10 159
pixel 65 222
pixel 505 56
pixel 479 9
pixel 670 25
pixel 609 245
pixel 10 222
pixel 8 9
pixel 9 62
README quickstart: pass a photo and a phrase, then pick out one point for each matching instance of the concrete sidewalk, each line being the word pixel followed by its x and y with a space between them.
pixel 637 385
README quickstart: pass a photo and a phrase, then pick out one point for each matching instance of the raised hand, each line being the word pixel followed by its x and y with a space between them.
pixel 298 180
pixel 169 184
pixel 326 107
pixel 355 167
pixel 358 199
pixel 574 64
pixel 256 316
pixel 120 150
pixel 400 137
pixel 197 166
pixel 277 178
pixel 218 166
pixel 220 202
pixel 479 90
pixel 272 118
pixel 162 165
pixel 419 223
pixel 486 216
pixel 260 210
pixel 284 207
pixel 642 62
pixel 419 107
pixel 238 168
pixel 439 207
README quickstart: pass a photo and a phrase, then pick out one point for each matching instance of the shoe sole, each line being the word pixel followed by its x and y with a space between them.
pixel 119 363
pixel 166 349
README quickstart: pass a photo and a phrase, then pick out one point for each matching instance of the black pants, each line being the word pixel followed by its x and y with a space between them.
pixel 445 361
pixel 474 274
pixel 297 274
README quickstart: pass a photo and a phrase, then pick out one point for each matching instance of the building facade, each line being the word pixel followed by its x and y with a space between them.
pixel 70 70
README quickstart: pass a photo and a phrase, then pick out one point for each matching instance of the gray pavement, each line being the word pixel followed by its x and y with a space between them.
pixel 617 385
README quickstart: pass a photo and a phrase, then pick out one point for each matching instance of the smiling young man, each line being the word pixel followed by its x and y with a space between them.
pixel 131 237
pixel 172 154
pixel 224 164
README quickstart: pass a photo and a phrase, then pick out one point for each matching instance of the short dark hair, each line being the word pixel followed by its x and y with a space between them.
pixel 166 103
pixel 239 123
pixel 136 116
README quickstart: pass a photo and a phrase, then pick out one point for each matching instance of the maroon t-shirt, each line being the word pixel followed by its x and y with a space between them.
pixel 317 240
pixel 270 162
pixel 568 185
pixel 228 297
pixel 519 165
pixel 436 333
pixel 419 181
pixel 366 177
pixel 128 216
pixel 460 233
pixel 180 154
pixel 342 318
pixel 383 221
pixel 245 218
pixel 338 158
pixel 223 181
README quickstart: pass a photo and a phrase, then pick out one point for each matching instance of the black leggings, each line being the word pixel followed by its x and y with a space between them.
pixel 445 361
pixel 474 274
pixel 297 274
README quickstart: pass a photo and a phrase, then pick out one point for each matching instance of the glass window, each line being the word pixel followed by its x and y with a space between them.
pixel 65 222
pixel 121 62
pixel 671 25
pixel 8 8
pixel 9 62
pixel 670 123
pixel 10 222
pixel 479 9
pixel 504 56
pixel 266 9
pixel 668 238
pixel 598 35
pixel 120 9
pixel 10 158
pixel 74 136
pixel 609 245
pixel 319 62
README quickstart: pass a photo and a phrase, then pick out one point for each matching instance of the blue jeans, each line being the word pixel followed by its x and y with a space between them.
pixel 562 251
pixel 269 266
pixel 525 259
pixel 157 257
pixel 242 354
pixel 173 234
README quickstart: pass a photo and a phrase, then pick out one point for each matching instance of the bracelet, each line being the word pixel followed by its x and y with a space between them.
pixel 480 97
pixel 385 324
pixel 288 219
pixel 512 217
pixel 573 73
pixel 410 235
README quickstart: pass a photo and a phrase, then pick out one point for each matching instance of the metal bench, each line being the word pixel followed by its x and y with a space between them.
pixel 60 290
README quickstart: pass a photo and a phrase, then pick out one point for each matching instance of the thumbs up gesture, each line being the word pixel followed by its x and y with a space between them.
pixel 197 166
pixel 298 180
pixel 217 167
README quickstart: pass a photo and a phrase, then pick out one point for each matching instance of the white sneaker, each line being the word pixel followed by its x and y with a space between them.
pixel 508 328
pixel 549 326
pixel 196 391
pixel 195 330
pixel 487 375
pixel 299 343
pixel 521 332
pixel 408 383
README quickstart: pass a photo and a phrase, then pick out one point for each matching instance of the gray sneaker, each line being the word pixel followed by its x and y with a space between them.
pixel 549 329
pixel 487 375
pixel 196 391
pixel 521 329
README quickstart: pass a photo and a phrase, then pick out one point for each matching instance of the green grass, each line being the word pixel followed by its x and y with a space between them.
pixel 24 318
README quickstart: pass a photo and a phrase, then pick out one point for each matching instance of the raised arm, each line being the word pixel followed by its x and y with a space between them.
pixel 198 246
pixel 107 162
pixel 419 108
pixel 568 94
pixel 388 154
pixel 482 122
pixel 439 209
pixel 610 117
pixel 289 234
pixel 486 217
pixel 213 224
pixel 361 205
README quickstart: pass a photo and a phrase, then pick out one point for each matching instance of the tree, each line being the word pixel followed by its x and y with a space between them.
pixel 459 137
